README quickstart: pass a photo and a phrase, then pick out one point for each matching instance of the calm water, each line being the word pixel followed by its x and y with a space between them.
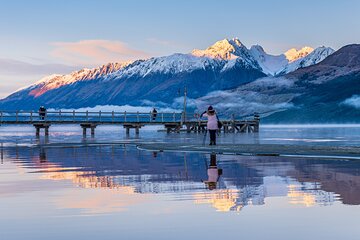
pixel 347 135
pixel 119 192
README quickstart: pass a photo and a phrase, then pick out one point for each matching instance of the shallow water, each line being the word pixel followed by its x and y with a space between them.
pixel 117 191
pixel 340 135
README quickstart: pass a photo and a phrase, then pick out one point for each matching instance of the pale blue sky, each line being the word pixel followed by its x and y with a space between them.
pixel 87 33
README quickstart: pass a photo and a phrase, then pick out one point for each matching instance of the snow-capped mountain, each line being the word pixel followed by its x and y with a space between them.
pixel 293 54
pixel 312 58
pixel 173 64
pixel 256 56
pixel 56 81
pixel 228 50
pixel 327 92
pixel 289 61
pixel 227 64
pixel 152 80
pixel 224 54
pixel 269 64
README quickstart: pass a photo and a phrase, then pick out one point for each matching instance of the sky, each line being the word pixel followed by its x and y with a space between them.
pixel 39 38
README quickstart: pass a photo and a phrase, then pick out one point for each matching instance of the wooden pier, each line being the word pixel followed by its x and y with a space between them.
pixel 172 122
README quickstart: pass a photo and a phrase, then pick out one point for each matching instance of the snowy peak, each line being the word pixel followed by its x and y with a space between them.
pixel 313 58
pixel 225 49
pixel 226 55
pixel 290 60
pixel 172 64
pixel 55 81
pixel 293 54
pixel 270 64
pixel 258 49
pixel 231 50
pixel 345 61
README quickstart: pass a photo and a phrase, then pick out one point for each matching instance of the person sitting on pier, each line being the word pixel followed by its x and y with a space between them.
pixel 153 114
pixel 42 112
pixel 212 124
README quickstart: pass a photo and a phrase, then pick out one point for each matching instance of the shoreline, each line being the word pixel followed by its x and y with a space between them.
pixel 274 150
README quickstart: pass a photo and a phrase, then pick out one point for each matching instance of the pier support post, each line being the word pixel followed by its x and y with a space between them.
pixel 47 131
pixel 172 127
pixel 243 127
pixel 256 128
pixel 135 126
pixel 233 126
pixel 257 121
pixel 188 128
pixel 85 126
pixel 40 125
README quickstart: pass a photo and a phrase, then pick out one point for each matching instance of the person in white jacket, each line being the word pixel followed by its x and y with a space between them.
pixel 212 124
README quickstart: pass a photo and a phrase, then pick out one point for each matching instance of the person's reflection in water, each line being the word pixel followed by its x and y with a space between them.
pixel 213 173
pixel 42 155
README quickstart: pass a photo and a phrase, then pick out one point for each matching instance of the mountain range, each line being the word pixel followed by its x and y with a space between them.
pixel 235 79
pixel 327 92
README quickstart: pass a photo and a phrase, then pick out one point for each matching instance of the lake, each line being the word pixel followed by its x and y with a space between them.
pixel 70 190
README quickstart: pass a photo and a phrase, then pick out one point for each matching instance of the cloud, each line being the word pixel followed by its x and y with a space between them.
pixel 354 101
pixel 272 82
pixel 179 102
pixel 19 68
pixel 121 108
pixel 148 103
pixel 95 52
pixel 244 103
pixel 265 96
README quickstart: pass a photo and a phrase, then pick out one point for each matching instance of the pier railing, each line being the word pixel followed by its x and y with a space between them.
pixel 26 117
pixel 172 121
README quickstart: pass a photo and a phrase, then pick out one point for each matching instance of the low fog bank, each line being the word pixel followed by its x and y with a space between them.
pixel 117 108
pixel 354 101
pixel 266 96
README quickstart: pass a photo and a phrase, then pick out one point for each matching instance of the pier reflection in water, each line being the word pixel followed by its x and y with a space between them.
pixel 114 179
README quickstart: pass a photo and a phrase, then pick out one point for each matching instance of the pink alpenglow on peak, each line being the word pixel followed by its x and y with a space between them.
pixel 55 81
pixel 232 50
pixel 293 54
pixel 225 49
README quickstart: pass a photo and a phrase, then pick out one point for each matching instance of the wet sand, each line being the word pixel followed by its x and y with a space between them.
pixel 259 149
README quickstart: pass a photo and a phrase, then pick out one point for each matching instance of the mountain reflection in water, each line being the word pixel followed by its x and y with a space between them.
pixel 239 181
